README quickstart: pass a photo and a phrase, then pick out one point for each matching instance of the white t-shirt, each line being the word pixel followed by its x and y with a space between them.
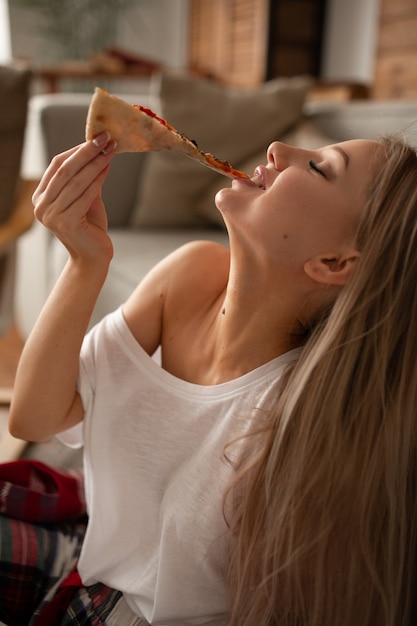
pixel 156 472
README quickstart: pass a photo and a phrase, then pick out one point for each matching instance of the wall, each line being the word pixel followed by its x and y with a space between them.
pixel 5 43
pixel 156 29
pixel 396 57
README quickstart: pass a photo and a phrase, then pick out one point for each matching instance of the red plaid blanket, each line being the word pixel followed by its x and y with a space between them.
pixel 42 525
pixel 34 492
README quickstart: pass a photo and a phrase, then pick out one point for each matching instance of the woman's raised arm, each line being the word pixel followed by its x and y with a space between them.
pixel 68 203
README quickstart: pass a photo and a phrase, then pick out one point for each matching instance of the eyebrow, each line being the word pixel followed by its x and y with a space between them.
pixel 343 153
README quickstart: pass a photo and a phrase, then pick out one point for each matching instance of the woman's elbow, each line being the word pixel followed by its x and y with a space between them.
pixel 21 428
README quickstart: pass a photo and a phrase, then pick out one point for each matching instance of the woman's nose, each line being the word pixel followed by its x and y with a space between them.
pixel 278 155
pixel 281 155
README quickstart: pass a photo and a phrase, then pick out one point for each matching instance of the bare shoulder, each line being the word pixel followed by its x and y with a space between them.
pixel 199 260
pixel 195 272
pixel 194 298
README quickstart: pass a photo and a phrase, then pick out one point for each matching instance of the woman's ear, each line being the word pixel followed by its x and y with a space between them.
pixel 332 269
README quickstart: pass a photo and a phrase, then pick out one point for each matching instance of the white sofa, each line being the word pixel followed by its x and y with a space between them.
pixel 155 202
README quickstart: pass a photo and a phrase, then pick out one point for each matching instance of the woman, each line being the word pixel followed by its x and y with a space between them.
pixel 232 468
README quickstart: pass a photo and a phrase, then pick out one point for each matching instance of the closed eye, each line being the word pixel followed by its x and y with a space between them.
pixel 313 165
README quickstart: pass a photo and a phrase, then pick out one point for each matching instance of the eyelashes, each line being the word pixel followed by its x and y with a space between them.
pixel 313 165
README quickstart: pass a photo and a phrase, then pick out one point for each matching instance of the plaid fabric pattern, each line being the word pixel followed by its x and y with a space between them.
pixel 34 492
pixel 33 558
pixel 42 526
pixel 90 606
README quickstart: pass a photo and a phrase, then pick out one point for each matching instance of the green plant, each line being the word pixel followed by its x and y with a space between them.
pixel 79 27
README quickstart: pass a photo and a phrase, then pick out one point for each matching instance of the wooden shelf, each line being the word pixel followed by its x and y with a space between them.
pixel 53 75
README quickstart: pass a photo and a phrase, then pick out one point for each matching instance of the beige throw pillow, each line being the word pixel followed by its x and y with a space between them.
pixel 232 123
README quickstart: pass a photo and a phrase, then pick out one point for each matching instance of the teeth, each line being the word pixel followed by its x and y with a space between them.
pixel 257 180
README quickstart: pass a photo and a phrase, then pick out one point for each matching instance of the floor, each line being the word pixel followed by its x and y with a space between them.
pixel 52 452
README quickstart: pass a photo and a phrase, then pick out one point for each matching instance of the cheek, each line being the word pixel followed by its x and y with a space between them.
pixel 328 226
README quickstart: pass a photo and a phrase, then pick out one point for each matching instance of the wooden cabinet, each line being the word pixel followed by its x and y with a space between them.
pixel 296 35
pixel 396 55
pixel 244 42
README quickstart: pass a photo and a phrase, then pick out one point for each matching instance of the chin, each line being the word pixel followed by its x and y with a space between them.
pixel 220 199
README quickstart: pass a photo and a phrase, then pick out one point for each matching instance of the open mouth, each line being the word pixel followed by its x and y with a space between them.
pixel 258 181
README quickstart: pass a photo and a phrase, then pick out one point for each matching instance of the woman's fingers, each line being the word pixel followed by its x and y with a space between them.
pixel 71 174
pixel 74 160
pixel 55 163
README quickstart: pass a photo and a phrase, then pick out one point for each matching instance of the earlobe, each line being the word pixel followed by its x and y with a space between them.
pixel 332 269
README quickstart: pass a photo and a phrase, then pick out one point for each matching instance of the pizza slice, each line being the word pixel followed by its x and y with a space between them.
pixel 139 129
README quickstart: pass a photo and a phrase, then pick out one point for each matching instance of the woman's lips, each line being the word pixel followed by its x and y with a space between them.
pixel 258 177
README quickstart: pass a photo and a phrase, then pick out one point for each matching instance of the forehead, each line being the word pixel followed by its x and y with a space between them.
pixel 361 149
pixel 363 159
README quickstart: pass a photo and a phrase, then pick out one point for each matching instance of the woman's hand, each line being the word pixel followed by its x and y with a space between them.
pixel 68 199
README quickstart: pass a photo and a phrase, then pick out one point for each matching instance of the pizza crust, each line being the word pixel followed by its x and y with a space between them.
pixel 137 129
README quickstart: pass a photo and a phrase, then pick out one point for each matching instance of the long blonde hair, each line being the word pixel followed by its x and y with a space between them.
pixel 324 525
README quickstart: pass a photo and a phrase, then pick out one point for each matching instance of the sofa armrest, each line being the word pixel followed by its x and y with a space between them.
pixel 366 119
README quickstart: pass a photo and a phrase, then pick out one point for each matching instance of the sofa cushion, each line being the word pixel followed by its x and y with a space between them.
pixel 304 135
pixel 368 119
pixel 232 123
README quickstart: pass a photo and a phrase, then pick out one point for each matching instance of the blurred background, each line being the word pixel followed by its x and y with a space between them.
pixel 369 44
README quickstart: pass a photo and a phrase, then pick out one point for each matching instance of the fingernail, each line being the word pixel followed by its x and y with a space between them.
pixel 111 147
pixel 101 139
